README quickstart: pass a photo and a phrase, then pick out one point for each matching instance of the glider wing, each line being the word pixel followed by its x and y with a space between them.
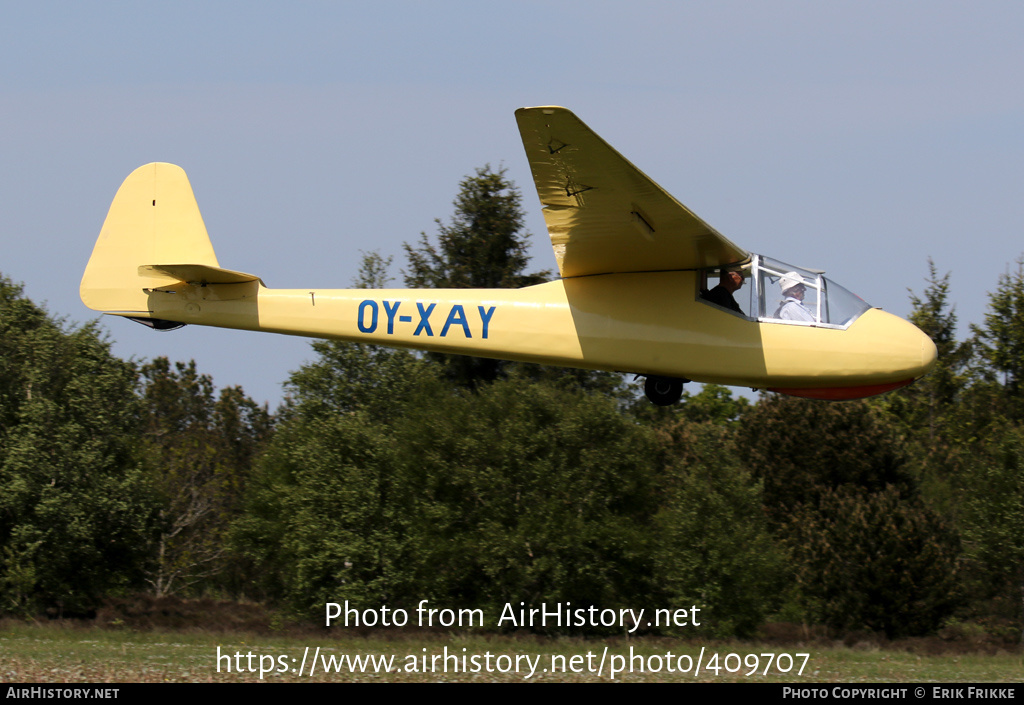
pixel 605 215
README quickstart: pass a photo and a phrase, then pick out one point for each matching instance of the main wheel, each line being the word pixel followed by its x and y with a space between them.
pixel 663 391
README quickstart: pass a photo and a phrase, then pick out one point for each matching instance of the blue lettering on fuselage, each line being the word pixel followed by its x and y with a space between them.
pixel 456 316
pixel 455 320
pixel 361 319
pixel 424 324
pixel 391 311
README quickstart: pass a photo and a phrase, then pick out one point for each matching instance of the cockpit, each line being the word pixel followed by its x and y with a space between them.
pixel 770 291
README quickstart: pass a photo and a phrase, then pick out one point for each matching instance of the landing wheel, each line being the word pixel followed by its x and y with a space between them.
pixel 663 391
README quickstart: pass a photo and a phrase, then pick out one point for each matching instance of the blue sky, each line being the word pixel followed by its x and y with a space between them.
pixel 856 137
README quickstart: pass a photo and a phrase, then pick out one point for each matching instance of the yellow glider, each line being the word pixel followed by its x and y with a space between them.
pixel 638 289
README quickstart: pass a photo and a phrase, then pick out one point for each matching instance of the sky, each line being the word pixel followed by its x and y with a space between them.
pixel 861 138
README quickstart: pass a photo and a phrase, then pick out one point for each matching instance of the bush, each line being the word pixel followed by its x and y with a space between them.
pixel 875 561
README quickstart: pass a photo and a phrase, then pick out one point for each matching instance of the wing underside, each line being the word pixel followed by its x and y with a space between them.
pixel 605 215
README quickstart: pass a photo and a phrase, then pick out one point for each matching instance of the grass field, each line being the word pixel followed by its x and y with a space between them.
pixel 48 653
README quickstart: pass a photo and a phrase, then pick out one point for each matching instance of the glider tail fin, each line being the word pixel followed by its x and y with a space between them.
pixel 153 220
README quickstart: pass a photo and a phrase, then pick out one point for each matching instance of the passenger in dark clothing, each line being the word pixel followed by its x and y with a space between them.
pixel 729 283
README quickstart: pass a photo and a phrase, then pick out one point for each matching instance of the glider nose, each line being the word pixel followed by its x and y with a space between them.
pixel 929 354
pixel 913 354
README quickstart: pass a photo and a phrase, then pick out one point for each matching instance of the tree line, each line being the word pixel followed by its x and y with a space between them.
pixel 390 477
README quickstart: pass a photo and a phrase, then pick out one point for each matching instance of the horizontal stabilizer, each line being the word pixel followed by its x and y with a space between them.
pixel 201 274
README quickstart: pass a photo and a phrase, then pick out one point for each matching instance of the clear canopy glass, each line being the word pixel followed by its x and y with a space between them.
pixel 777 292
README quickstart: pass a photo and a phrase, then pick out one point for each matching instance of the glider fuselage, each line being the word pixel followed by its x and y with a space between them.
pixel 650 323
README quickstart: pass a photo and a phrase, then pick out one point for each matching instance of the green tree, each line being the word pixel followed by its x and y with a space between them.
pixel 876 561
pixel 714 546
pixel 842 495
pixel 483 247
pixel 931 397
pixel 326 515
pixel 801 449
pixel 199 449
pixel 325 506
pixel 1000 341
pixel 992 501
pixel 528 492
pixel 714 404
pixel 521 492
pixel 76 512
pixel 347 377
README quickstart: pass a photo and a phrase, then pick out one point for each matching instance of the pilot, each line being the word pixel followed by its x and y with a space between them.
pixel 792 307
pixel 729 282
